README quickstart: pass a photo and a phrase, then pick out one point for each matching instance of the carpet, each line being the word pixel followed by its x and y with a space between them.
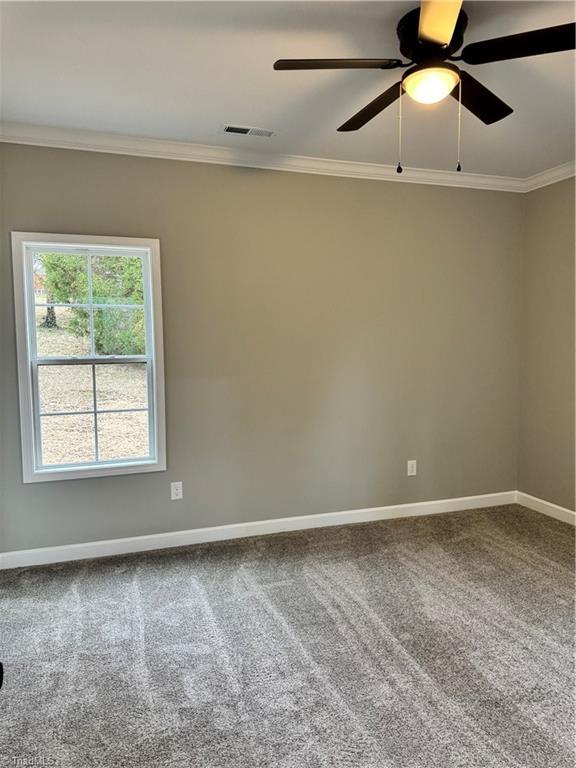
pixel 431 642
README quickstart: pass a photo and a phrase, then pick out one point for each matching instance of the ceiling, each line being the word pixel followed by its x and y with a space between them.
pixel 180 71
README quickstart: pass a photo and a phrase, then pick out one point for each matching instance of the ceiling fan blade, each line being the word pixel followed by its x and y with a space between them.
pixel 549 40
pixel 374 108
pixel 481 101
pixel 283 64
pixel 437 20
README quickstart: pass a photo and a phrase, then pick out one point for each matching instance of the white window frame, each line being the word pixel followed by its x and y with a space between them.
pixel 24 307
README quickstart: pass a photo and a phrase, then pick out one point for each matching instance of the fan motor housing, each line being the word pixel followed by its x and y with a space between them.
pixel 420 51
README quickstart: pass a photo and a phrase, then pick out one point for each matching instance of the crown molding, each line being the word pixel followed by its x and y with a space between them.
pixel 119 144
pixel 551 176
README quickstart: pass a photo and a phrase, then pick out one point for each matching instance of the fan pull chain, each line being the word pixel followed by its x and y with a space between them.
pixel 399 168
pixel 458 166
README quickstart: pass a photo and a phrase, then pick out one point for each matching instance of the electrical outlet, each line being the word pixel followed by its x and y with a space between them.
pixel 411 467
pixel 176 491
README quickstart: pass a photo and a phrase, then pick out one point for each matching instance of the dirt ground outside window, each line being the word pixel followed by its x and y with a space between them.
pixel 65 388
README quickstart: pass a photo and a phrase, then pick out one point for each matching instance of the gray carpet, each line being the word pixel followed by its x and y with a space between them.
pixel 432 642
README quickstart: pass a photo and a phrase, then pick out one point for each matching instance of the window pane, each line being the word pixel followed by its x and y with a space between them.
pixel 123 435
pixel 87 399
pixel 62 331
pixel 61 278
pixel 65 388
pixel 119 331
pixel 121 386
pixel 67 439
pixel 117 280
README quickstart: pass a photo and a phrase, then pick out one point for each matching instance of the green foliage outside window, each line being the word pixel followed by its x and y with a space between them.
pixel 115 280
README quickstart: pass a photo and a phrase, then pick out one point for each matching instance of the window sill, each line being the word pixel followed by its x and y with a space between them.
pixel 87 471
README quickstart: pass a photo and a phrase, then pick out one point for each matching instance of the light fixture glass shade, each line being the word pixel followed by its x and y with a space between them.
pixel 430 84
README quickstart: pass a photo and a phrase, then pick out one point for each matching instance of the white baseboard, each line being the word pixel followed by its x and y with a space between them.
pixel 67 552
pixel 546 507
pixel 44 555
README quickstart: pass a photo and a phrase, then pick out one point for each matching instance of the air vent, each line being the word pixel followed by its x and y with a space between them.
pixel 260 132
pixel 244 130
pixel 236 129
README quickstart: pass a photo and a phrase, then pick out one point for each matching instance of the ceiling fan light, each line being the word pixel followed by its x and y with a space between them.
pixel 429 85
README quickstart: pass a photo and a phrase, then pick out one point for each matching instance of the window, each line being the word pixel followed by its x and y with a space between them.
pixel 90 363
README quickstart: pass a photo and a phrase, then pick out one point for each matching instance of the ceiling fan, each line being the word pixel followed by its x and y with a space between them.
pixel 429 37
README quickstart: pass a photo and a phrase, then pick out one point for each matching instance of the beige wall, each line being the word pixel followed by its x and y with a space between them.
pixel 319 332
pixel 546 453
